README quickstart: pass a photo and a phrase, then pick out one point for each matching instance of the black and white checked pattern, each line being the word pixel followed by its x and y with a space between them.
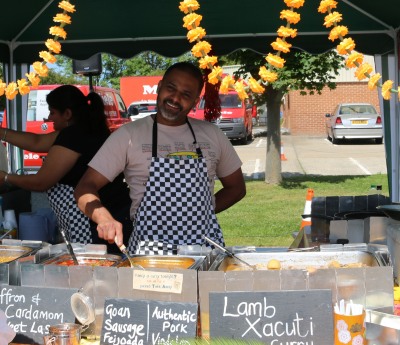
pixel 70 219
pixel 176 208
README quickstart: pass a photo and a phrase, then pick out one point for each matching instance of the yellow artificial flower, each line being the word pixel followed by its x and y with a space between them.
pixel 326 5
pixel 11 90
pixel 291 16
pixel 192 21
pixel 46 56
pixel 373 81
pixel 207 61
pixel 283 31
pixel 226 84
pixel 267 75
pixel 281 45
pixel 23 87
pixel 58 31
pixel 33 78
pixel 294 3
pixel 196 34
pixel 201 49
pixel 62 18
pixel 188 6
pixel 386 89
pixel 332 18
pixel 2 87
pixel 40 69
pixel 66 6
pixel 239 88
pixel 354 59
pixel 255 86
pixel 275 60
pixel 363 71
pixel 338 31
pixel 215 75
pixel 53 46
pixel 346 46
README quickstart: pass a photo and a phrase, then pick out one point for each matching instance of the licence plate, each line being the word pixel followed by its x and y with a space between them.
pixel 359 122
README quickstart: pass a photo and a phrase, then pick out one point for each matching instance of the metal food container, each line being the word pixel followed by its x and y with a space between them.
pixel 106 260
pixel 297 260
pixel 165 262
pixel 9 266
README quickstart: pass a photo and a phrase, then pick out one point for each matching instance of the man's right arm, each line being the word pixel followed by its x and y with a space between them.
pixel 88 200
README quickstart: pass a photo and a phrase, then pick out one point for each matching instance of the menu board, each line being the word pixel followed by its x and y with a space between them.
pixel 30 311
pixel 276 317
pixel 148 322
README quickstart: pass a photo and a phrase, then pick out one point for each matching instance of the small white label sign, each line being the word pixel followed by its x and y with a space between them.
pixel 157 281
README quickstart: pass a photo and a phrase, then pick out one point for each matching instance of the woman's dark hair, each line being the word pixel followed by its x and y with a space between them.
pixel 87 111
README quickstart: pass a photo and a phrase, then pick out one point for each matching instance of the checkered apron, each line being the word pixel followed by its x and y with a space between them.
pixel 70 219
pixel 177 206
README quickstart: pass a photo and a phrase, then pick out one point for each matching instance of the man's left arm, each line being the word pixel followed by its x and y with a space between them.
pixel 233 190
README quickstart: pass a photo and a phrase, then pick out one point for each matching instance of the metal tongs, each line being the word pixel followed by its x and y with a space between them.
pixel 69 247
pixel 124 251
pixel 229 253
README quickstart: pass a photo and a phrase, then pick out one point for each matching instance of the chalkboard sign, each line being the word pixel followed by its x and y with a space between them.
pixel 30 311
pixel 148 322
pixel 276 317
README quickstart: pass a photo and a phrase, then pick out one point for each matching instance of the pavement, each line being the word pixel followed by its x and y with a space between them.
pixel 314 155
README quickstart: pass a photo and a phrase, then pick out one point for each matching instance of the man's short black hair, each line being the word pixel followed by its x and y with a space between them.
pixel 190 68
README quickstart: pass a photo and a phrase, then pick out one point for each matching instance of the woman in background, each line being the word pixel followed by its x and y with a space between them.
pixel 80 128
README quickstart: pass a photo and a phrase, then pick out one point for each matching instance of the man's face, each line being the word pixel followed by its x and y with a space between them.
pixel 178 92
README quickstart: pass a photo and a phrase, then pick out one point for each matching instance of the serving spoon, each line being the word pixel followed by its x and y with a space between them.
pixel 229 253
pixel 123 249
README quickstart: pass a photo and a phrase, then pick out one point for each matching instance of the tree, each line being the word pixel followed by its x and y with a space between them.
pixel 302 71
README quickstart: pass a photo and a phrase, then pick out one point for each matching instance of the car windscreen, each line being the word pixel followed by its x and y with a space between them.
pixel 227 101
pixel 357 109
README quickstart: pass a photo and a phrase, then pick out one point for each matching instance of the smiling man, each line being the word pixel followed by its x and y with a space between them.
pixel 170 163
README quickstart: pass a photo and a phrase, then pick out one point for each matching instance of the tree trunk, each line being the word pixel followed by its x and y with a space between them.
pixel 273 168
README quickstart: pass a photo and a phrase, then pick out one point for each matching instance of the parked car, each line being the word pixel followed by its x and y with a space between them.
pixel 138 110
pixel 354 121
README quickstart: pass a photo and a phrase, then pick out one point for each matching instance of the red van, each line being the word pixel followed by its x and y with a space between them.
pixel 236 119
pixel 38 111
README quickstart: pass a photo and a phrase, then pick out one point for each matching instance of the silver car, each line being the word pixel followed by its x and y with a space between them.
pixel 354 121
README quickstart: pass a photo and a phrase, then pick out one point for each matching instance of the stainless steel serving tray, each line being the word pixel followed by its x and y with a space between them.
pixel 87 259
pixel 166 261
pixel 11 253
pixel 297 260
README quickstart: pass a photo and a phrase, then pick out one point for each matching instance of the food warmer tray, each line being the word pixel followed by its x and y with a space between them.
pixel 107 260
pixel 166 262
pixel 297 260
pixel 11 253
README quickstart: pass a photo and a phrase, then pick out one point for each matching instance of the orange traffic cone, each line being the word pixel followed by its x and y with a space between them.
pixel 307 209
pixel 283 157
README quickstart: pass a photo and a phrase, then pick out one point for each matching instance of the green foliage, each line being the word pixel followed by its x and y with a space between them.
pixel 302 71
pixel 269 214
pixel 113 68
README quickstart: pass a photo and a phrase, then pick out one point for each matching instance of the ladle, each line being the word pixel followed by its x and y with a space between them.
pixel 229 253
pixel 123 249
pixel 69 247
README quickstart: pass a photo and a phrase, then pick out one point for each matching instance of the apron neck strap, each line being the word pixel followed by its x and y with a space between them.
pixel 154 146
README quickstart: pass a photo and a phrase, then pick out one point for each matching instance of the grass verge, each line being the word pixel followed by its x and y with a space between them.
pixel 269 214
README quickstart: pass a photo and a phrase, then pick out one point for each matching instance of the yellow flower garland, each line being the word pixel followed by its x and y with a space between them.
pixel 201 49
pixel 346 47
pixel 39 67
